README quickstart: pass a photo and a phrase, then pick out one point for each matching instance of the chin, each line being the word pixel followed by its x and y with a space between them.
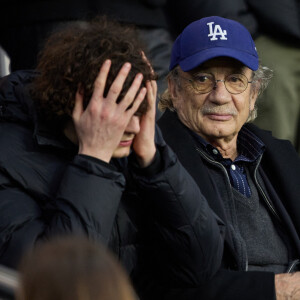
pixel 218 132
pixel 121 152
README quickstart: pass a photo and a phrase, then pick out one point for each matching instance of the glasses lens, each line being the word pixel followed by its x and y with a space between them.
pixel 236 83
pixel 203 83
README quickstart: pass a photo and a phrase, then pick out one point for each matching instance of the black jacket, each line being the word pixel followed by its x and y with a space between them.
pixel 280 170
pixel 156 220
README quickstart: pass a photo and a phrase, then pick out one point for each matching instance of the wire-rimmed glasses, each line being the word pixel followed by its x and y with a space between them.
pixel 205 83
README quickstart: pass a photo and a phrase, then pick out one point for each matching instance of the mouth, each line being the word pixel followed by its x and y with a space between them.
pixel 125 143
pixel 219 117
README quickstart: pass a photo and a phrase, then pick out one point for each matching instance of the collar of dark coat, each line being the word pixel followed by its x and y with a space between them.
pixel 280 163
pixel 17 106
pixel 51 136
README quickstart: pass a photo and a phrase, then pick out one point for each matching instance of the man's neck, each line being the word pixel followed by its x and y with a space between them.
pixel 226 147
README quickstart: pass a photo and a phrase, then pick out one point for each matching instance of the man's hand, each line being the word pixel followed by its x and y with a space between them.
pixel 101 125
pixel 287 286
pixel 143 143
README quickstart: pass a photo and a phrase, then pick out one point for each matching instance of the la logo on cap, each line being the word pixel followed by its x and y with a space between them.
pixel 216 30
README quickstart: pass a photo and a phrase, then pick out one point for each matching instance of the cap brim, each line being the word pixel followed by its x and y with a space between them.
pixel 199 58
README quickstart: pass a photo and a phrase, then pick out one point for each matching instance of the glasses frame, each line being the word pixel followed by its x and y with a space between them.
pixel 193 83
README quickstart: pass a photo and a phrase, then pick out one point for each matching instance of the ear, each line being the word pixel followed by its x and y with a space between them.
pixel 253 98
pixel 172 88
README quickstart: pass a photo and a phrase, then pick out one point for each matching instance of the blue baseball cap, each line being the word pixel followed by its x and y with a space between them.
pixel 213 37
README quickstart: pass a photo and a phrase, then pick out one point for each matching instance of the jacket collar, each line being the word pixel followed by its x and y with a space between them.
pixel 17 105
pixel 51 135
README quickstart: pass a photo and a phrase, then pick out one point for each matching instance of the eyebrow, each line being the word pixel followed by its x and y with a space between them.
pixel 235 70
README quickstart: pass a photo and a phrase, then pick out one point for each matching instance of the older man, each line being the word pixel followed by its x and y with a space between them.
pixel 250 179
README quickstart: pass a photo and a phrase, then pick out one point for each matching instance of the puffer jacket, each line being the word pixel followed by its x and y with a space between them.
pixel 155 219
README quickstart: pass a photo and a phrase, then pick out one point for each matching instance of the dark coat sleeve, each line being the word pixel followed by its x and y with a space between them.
pixel 88 199
pixel 85 201
pixel 188 236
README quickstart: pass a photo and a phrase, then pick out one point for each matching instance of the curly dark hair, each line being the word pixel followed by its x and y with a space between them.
pixel 72 57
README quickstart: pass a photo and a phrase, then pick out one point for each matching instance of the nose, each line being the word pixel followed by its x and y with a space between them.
pixel 133 125
pixel 219 94
pixel 218 80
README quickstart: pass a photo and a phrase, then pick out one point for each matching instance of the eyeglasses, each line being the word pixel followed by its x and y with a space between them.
pixel 205 83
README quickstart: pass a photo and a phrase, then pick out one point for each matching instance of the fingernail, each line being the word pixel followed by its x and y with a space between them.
pixel 139 76
pixel 127 65
pixel 107 61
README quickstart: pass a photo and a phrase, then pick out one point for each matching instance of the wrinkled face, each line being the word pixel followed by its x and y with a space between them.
pixel 131 130
pixel 217 114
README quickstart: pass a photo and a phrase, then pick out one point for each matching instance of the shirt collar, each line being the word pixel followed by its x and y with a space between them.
pixel 250 147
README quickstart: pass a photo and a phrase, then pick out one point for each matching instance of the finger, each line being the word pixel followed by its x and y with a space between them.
pixel 131 93
pixel 151 97
pixel 154 87
pixel 151 92
pixel 137 102
pixel 100 82
pixel 147 61
pixel 78 107
pixel 117 85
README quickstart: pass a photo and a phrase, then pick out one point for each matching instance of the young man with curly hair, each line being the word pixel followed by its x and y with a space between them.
pixel 80 155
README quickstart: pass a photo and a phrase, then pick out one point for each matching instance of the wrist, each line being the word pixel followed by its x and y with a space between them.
pixel 102 155
pixel 145 160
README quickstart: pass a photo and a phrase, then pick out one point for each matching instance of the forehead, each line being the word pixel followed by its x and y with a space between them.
pixel 227 64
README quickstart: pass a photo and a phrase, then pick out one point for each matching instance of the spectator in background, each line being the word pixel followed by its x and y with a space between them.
pixel 80 155
pixel 275 27
pixel 72 268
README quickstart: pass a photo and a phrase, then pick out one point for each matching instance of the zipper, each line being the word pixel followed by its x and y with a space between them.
pixel 214 163
pixel 292 266
pixel 267 201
